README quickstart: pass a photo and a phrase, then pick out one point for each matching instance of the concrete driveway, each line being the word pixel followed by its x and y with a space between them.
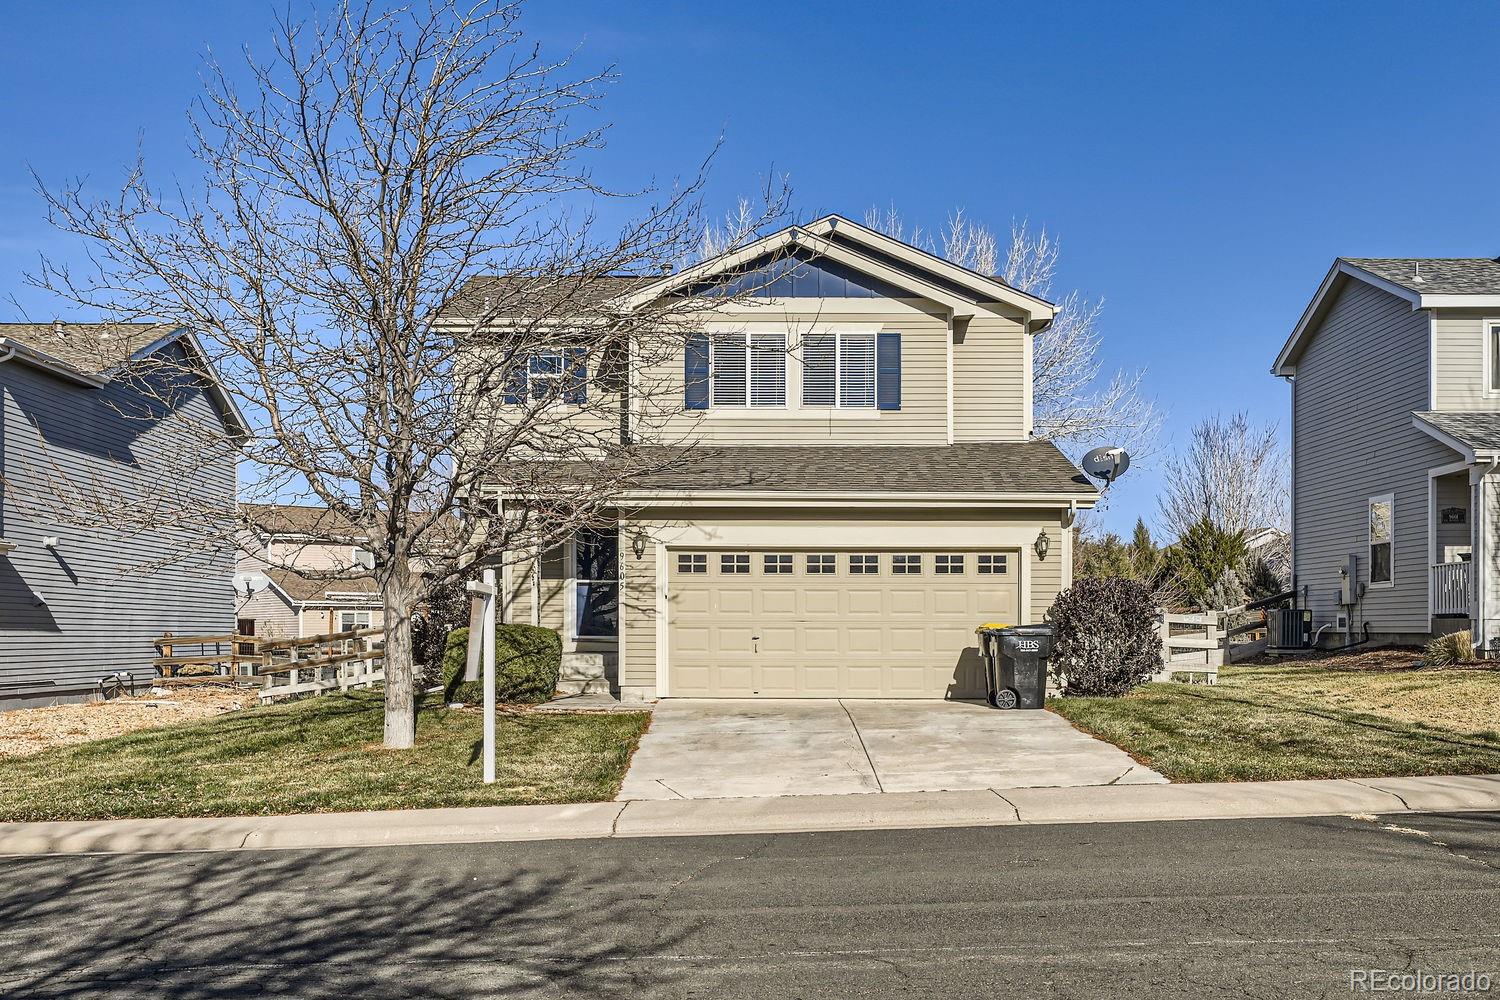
pixel 734 749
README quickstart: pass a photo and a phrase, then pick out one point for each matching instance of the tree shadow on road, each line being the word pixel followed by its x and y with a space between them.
pixel 452 921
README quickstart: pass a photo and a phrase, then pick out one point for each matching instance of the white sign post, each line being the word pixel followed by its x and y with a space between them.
pixel 487 592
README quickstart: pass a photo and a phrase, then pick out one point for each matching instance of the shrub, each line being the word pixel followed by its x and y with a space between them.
pixel 1448 650
pixel 527 662
pixel 1105 639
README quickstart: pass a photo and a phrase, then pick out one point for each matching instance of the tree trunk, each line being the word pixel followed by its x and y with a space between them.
pixel 400 597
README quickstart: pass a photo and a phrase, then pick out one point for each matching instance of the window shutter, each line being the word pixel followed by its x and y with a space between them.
pixel 888 371
pixel 576 379
pixel 516 367
pixel 695 373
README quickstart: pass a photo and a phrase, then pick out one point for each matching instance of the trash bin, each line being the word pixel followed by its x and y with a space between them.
pixel 1016 660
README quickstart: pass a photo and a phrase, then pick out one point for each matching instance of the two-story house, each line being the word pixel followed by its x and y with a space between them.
pixel 1395 375
pixel 300 571
pixel 864 487
pixel 95 424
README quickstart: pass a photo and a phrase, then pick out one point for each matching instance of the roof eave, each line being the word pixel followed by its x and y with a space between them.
pixel 15 350
pixel 1469 453
pixel 1286 361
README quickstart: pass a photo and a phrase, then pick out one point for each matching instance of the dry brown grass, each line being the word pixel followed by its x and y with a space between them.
pixel 25 731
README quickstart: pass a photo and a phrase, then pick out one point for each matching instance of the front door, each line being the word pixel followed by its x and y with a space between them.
pixel 596 571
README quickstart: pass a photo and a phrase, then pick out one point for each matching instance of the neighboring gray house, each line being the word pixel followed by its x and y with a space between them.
pixel 88 419
pixel 1395 374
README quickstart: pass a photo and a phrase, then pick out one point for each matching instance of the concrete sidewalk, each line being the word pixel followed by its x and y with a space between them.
pixel 776 814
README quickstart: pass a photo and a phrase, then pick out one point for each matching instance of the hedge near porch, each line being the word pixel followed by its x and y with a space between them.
pixel 527 662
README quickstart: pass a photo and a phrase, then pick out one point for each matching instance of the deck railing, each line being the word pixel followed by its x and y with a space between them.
pixel 1450 588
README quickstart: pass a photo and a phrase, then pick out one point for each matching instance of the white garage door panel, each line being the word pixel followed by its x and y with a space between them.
pixel 840 634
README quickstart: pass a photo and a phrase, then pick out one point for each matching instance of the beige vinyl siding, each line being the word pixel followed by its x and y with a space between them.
pixel 922 419
pixel 310 555
pixel 554 580
pixel 1458 348
pixel 989 388
pixel 806 528
pixel 1362 374
pixel 275 618
pixel 323 620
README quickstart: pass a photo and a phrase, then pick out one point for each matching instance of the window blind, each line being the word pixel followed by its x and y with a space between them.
pixel 728 368
pixel 768 369
pixel 857 369
pixel 819 367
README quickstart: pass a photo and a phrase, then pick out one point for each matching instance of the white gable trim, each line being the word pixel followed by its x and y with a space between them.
pixel 1037 308
pixel 792 236
pixel 1342 270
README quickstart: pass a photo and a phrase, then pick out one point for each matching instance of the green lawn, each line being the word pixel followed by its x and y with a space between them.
pixel 1366 716
pixel 321 755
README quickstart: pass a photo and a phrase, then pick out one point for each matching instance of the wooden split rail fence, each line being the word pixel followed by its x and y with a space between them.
pixel 310 664
pixel 1197 645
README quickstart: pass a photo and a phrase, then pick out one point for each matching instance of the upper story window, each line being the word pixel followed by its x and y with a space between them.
pixel 838 369
pixel 747 369
pixel 853 370
pixel 1382 538
pixel 1492 351
pixel 548 374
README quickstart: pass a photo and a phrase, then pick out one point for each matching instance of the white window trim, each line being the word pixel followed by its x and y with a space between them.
pixel 1487 354
pixel 1387 498
pixel 749 403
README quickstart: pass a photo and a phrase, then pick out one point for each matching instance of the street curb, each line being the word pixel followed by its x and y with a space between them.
pixel 773 814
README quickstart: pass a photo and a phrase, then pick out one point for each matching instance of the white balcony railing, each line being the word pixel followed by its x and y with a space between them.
pixel 1450 588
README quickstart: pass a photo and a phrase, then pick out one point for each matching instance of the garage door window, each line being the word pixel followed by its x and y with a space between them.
pixel 820 563
pixel 908 564
pixel 948 565
pixel 778 563
pixel 991 562
pixel 692 562
pixel 864 564
pixel 734 562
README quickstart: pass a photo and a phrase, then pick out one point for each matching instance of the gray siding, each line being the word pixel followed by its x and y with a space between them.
pixel 1363 373
pixel 70 617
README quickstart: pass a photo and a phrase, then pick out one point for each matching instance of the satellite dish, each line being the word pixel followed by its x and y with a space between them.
pixel 249 583
pixel 1106 464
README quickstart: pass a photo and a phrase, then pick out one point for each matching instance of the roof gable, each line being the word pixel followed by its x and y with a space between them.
pixel 894 265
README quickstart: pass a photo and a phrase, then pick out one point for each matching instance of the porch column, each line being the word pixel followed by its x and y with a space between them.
pixel 1484 566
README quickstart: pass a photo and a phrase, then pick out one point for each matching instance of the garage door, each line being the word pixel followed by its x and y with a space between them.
pixel 786 623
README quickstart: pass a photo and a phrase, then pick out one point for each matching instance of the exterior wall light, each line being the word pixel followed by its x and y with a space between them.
pixel 638 544
pixel 1042 545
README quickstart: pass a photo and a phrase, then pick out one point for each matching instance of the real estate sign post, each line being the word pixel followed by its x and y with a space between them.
pixel 486 589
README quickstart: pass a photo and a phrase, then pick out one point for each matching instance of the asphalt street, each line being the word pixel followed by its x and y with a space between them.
pixel 1244 908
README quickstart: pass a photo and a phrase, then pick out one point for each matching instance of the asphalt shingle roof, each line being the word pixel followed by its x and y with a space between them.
pixel 91 348
pixel 1440 275
pixel 1007 467
pixel 1478 429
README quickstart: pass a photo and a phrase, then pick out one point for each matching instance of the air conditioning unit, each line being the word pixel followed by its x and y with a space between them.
pixel 1290 628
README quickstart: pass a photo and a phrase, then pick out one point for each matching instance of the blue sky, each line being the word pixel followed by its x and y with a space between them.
pixel 1203 163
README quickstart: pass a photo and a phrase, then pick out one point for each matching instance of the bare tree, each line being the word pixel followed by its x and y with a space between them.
pixel 1073 402
pixel 392 262
pixel 1233 474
